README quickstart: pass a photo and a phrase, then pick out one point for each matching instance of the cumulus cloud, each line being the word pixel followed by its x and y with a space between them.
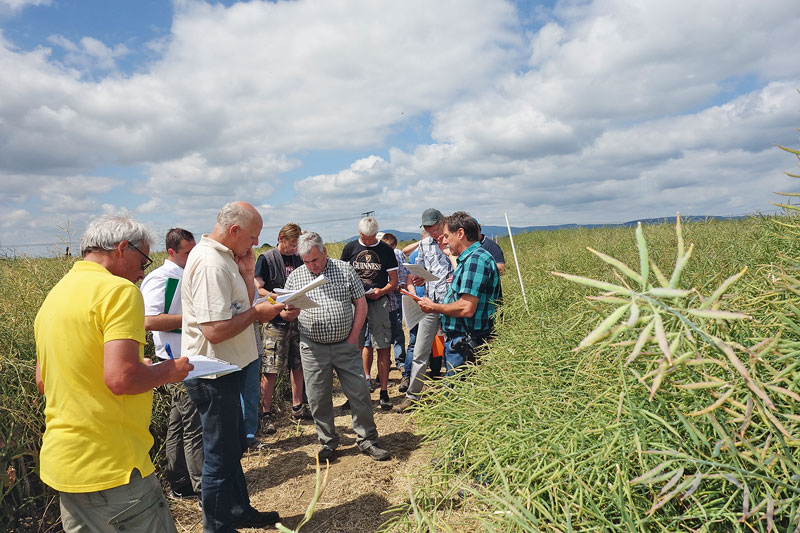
pixel 11 7
pixel 591 111
pixel 89 54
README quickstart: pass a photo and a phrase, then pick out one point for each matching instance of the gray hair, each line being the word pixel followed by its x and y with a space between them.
pixel 107 231
pixel 307 241
pixel 234 213
pixel 368 226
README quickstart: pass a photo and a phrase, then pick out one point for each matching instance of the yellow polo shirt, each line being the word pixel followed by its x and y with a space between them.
pixel 93 438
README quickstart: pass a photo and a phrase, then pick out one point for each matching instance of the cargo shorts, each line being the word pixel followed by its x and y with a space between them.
pixel 281 348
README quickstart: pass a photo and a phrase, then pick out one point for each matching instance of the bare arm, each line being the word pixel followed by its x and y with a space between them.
pixel 162 322
pixel 261 287
pixel 386 289
pixel 501 267
pixel 123 373
pixel 222 330
pixel 409 249
pixel 358 320
pixel 464 307
pixel 39 382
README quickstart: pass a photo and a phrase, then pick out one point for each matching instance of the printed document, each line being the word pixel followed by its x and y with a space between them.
pixel 412 314
pixel 421 272
pixel 298 298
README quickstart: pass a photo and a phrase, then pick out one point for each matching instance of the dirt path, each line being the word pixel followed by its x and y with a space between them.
pixel 282 476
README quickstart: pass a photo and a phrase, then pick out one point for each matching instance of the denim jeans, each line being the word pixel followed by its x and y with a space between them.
pixel 454 361
pixel 412 340
pixel 225 497
pixel 251 391
pixel 398 338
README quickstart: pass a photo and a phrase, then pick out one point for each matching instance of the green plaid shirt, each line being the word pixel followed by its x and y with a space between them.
pixel 476 275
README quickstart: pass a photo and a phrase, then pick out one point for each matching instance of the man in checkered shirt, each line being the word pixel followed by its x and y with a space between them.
pixel 470 305
pixel 329 341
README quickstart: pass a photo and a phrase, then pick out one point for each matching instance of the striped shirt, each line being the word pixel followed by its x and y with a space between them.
pixel 476 275
pixel 433 259
pixel 332 321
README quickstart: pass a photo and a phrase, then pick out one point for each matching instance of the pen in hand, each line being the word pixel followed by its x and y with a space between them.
pixel 169 351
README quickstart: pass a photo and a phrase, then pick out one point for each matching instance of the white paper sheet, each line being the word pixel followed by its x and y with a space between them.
pixel 412 314
pixel 298 298
pixel 421 272
pixel 204 366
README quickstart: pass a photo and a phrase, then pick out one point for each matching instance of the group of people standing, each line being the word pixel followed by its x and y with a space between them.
pixel 207 300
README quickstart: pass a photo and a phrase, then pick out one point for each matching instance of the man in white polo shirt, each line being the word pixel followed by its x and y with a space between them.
pixel 161 290
pixel 216 292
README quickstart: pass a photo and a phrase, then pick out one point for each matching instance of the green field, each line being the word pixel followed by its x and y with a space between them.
pixel 541 436
pixel 544 437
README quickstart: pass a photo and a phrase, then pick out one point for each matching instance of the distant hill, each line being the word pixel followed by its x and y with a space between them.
pixel 502 231
pixel 401 235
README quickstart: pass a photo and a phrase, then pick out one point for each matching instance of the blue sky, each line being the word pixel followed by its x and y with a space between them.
pixel 576 111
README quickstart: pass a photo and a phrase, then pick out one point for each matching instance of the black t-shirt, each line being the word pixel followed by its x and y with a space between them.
pixel 274 267
pixel 372 263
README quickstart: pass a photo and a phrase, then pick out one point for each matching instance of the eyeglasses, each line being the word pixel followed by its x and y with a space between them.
pixel 148 262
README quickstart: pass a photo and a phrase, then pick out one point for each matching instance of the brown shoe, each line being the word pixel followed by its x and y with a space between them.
pixel 267 424
pixel 405 405
pixel 404 383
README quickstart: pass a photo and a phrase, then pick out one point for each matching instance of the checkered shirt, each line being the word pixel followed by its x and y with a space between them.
pixel 476 275
pixel 395 298
pixel 433 259
pixel 332 321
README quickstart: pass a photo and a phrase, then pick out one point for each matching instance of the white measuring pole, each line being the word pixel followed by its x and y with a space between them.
pixel 516 262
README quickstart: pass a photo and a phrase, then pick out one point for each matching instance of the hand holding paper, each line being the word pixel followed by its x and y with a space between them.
pixel 298 298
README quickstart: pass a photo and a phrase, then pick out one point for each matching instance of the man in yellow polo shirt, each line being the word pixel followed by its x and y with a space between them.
pixel 99 389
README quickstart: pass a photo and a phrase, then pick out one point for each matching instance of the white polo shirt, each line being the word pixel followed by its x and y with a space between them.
pixel 161 290
pixel 212 289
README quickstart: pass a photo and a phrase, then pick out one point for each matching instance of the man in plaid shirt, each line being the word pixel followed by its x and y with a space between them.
pixel 469 307
pixel 329 341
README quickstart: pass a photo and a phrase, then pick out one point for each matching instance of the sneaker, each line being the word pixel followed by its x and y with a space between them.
pixel 377 454
pixel 404 406
pixel 257 446
pixel 386 403
pixel 371 384
pixel 267 423
pixel 260 519
pixel 301 412
pixel 404 383
pixel 326 453
pixel 184 493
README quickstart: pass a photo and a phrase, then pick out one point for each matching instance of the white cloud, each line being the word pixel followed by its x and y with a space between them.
pixel 612 109
pixel 89 54
pixel 11 7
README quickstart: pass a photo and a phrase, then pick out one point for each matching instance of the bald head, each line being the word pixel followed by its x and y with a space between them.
pixel 238 227
pixel 238 213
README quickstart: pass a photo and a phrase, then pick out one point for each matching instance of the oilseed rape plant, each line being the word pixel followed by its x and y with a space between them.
pixel 725 395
